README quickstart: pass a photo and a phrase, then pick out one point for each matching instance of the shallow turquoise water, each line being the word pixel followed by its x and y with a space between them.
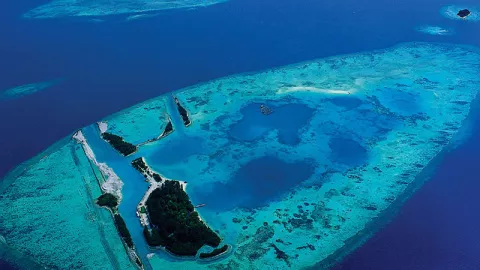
pixel 351 146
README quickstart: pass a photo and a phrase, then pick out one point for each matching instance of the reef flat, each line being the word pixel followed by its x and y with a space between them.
pixel 88 8
pixel 344 139
pixel 140 123
pixel 26 89
pixel 435 30
pixel 48 204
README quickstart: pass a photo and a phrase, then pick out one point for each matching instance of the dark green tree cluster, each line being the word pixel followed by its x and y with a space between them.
pixel 168 128
pixel 123 230
pixel 108 200
pixel 157 177
pixel 139 165
pixel 214 253
pixel 176 226
pixel 183 113
pixel 119 144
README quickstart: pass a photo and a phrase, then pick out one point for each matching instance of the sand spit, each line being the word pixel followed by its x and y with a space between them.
pixel 113 184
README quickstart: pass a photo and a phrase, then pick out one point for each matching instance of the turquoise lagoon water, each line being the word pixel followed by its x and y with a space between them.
pixel 360 129
pixel 136 130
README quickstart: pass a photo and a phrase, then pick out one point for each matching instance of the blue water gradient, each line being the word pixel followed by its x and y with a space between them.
pixel 112 65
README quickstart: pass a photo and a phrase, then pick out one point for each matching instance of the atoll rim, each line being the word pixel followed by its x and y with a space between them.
pixel 134 9
pixel 262 192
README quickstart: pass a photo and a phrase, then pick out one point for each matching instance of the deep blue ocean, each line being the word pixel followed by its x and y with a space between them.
pixel 112 65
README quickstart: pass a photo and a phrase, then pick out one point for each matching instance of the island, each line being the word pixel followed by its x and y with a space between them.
pixel 107 200
pixel 227 159
pixel 119 144
pixel 183 112
pixel 110 202
pixel 140 165
pixel 176 226
pixel 463 13
pixel 168 129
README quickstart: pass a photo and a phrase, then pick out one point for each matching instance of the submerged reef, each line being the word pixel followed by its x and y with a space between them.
pixel 27 89
pixel 435 30
pixel 134 8
pixel 176 226
pixel 362 131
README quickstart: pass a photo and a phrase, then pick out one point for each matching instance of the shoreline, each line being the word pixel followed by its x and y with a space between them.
pixel 389 213
pixel 113 184
pixel 144 219
pixel 107 171
pixel 218 256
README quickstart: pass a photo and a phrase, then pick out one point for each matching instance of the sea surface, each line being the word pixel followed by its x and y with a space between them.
pixel 103 67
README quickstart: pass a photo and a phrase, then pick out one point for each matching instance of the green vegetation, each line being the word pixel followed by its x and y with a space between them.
pixel 138 262
pixel 108 200
pixel 214 253
pixel 119 144
pixel 140 165
pixel 176 226
pixel 183 113
pixel 143 210
pixel 157 177
pixel 123 230
pixel 168 128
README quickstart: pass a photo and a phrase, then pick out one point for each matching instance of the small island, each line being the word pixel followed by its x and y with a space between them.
pixel 110 201
pixel 214 253
pixel 183 112
pixel 140 165
pixel 176 226
pixel 463 13
pixel 119 144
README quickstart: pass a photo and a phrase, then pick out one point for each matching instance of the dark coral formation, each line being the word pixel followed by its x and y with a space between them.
pixel 176 226
pixel 309 246
pixel 463 13
pixel 281 255
pixel 119 144
pixel 255 248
